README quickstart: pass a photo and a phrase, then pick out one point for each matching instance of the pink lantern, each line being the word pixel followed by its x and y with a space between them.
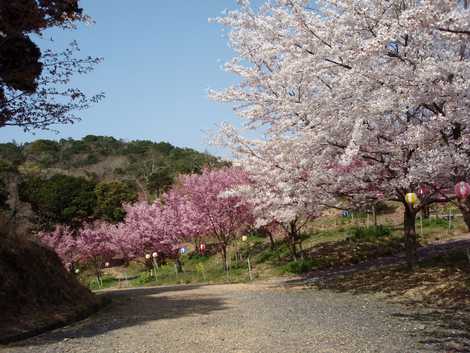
pixel 423 190
pixel 462 190
pixel 202 247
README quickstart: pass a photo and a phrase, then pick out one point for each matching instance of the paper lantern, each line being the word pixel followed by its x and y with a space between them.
pixel 77 271
pixel 422 191
pixel 202 247
pixel 106 264
pixel 147 256
pixel 244 238
pixel 411 198
pixel 462 190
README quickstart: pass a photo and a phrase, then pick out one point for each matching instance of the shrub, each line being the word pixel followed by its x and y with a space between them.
pixel 301 266
pixel 371 232
pixel 435 222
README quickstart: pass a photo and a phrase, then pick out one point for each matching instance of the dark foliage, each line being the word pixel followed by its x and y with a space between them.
pixel 154 166
pixel 30 80
pixel 60 199
pixel 110 198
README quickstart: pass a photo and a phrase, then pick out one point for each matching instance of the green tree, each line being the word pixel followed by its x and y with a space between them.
pixel 110 197
pixel 60 199
pixel 160 180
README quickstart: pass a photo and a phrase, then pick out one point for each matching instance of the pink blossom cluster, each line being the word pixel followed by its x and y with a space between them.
pixel 197 206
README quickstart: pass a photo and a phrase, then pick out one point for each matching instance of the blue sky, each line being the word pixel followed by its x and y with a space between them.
pixel 160 57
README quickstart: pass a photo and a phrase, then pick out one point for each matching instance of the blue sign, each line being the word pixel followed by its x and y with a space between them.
pixel 345 213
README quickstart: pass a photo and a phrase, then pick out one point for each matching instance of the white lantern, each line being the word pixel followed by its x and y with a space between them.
pixel 244 238
pixel 155 255
pixel 147 256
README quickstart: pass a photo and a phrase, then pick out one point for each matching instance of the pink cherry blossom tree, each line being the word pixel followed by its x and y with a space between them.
pixel 94 246
pixel 90 245
pixel 280 190
pixel 149 228
pixel 208 211
pixel 62 241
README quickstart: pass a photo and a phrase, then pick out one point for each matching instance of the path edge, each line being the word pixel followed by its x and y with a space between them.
pixel 102 302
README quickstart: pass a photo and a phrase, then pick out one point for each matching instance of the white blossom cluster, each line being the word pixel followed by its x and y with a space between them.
pixel 356 99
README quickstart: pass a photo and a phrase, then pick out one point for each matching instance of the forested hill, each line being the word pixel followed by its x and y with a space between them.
pixel 106 158
pixel 71 181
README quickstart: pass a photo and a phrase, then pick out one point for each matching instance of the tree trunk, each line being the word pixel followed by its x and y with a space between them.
pixel 98 278
pixel 292 238
pixel 179 265
pixel 197 243
pixel 464 207
pixel 301 249
pixel 425 211
pixel 271 240
pixel 411 244
pixel 293 248
pixel 224 257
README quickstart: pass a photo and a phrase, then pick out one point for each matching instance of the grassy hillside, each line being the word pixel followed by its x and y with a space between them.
pixel 331 244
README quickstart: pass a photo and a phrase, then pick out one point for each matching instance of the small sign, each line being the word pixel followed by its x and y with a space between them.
pixel 183 250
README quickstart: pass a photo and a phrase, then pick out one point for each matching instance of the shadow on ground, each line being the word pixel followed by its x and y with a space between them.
pixel 448 329
pixel 133 307
pixel 436 293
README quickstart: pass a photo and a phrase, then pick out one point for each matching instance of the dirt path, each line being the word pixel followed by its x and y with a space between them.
pixel 236 318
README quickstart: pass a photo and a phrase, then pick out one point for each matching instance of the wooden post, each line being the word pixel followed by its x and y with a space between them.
pixel 450 220
pixel 249 269
pixel 155 267
pixel 374 215
pixel 421 223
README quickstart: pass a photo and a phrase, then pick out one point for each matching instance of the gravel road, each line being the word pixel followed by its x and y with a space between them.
pixel 237 318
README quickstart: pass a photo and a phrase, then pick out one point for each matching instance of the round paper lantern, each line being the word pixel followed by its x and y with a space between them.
pixel 462 190
pixel 411 198
pixel 244 238
pixel 77 271
pixel 202 247
pixel 154 255
pixel 147 256
pixel 106 264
